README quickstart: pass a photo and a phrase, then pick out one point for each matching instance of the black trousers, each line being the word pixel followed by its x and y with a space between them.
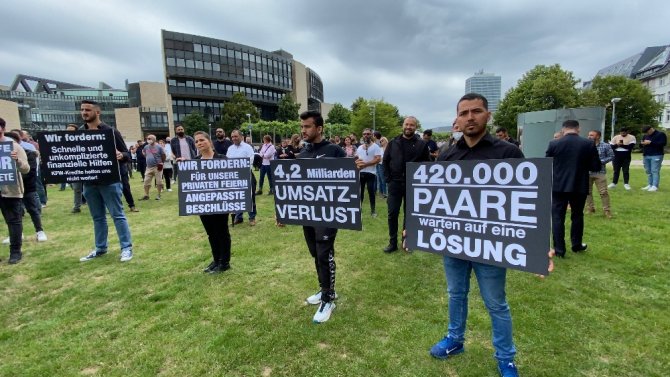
pixel 621 163
pixel 369 180
pixel 321 244
pixel 396 197
pixel 167 176
pixel 127 194
pixel 559 206
pixel 31 202
pixel 216 227
pixel 12 211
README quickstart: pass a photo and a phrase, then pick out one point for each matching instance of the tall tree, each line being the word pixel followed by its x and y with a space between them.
pixel 541 88
pixel 193 122
pixel 636 107
pixel 384 118
pixel 358 102
pixel 288 109
pixel 234 112
pixel 339 114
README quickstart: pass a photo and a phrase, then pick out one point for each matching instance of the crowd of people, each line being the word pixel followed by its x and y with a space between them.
pixel 578 163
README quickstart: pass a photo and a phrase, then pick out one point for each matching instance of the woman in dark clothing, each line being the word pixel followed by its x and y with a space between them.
pixel 216 225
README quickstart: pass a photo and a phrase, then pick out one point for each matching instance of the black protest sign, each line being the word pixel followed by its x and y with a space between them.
pixel 7 164
pixel 79 156
pixel 320 192
pixel 210 186
pixel 495 212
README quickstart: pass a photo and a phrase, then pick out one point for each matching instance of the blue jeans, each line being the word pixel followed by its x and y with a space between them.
pixel 100 197
pixel 265 170
pixel 381 180
pixel 652 166
pixel 491 280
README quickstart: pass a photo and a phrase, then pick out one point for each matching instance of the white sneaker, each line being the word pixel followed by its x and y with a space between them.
pixel 626 186
pixel 41 236
pixel 645 188
pixel 315 299
pixel 611 185
pixel 126 255
pixel 653 188
pixel 6 242
pixel 324 312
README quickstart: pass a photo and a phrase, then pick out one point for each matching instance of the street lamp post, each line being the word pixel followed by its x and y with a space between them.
pixel 210 129
pixel 373 106
pixel 614 101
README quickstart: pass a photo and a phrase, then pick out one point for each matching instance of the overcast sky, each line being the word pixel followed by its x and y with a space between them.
pixel 413 54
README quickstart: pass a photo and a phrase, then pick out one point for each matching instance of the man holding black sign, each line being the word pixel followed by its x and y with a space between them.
pixel 101 197
pixel 320 241
pixel 477 144
pixel 11 192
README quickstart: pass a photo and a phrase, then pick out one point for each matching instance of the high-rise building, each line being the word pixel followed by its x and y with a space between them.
pixel 486 84
pixel 202 73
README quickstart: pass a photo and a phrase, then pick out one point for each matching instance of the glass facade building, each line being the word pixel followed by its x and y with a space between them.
pixel 43 111
pixel 486 84
pixel 202 73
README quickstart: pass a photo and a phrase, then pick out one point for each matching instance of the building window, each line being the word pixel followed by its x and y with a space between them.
pixel 667 115
pixel 208 66
pixel 190 63
pixel 216 67
pixel 198 64
pixel 205 49
pixel 197 47
pixel 238 55
pixel 170 62
pixel 172 82
pixel 181 63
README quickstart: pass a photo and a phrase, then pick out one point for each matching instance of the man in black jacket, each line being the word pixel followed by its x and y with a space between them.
pixel 320 241
pixel 404 148
pixel 574 156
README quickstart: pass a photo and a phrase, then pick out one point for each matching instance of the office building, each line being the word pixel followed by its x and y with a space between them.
pixel 486 84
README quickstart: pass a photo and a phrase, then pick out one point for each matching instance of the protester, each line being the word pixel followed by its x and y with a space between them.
pixel 102 197
pixel 183 146
pixel 573 158
pixel 167 164
pixel 432 145
pixel 320 241
pixel 349 148
pixel 600 177
pixel 11 196
pixel 240 149
pixel 267 152
pixel 653 148
pixel 77 187
pixel 477 144
pixel 368 155
pixel 216 225
pixel 623 145
pixel 501 134
pixel 381 180
pixel 141 160
pixel 221 143
pixel 155 155
pixel 404 148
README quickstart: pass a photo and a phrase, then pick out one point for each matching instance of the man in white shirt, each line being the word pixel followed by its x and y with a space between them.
pixel 241 149
pixel 368 155
pixel 268 152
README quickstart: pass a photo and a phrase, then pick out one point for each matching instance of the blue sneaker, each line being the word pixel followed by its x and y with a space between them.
pixel 507 369
pixel 445 348
pixel 93 254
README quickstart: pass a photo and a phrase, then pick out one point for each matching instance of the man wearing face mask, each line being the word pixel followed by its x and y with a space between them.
pixel 368 155
pixel 404 148
pixel 155 155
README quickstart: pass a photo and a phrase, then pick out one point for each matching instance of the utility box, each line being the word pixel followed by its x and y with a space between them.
pixel 536 129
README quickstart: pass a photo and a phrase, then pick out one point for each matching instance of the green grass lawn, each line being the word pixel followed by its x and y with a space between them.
pixel 601 313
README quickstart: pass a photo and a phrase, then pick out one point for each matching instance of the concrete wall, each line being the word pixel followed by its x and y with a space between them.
pixel 300 85
pixel 325 109
pixel 128 123
pixel 9 111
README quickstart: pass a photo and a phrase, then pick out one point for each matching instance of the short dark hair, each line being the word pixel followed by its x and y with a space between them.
pixel 14 136
pixel 428 132
pixel 90 102
pixel 318 119
pixel 571 123
pixel 377 134
pixel 501 129
pixel 645 128
pixel 2 123
pixel 624 129
pixel 474 96
pixel 178 125
pixel 600 134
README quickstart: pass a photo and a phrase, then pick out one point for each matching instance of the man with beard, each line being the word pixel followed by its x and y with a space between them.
pixel 103 197
pixel 240 149
pixel 320 241
pixel 368 155
pixel 183 146
pixel 477 144
pixel 221 144
pixel 404 148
